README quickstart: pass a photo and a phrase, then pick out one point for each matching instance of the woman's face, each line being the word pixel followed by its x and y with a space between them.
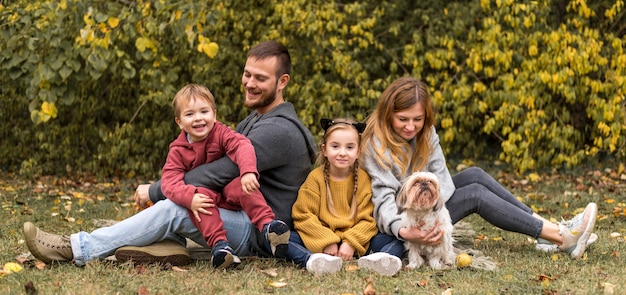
pixel 409 122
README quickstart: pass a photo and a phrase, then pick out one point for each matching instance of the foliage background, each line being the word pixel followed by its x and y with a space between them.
pixel 86 85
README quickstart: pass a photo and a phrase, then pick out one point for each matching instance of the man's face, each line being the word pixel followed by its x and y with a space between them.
pixel 260 83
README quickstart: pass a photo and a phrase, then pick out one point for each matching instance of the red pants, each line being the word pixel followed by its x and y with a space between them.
pixel 232 198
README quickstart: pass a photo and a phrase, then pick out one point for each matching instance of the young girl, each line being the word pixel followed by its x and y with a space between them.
pixel 333 213
pixel 400 138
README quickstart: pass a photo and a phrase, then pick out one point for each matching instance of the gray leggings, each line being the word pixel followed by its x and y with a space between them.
pixel 478 192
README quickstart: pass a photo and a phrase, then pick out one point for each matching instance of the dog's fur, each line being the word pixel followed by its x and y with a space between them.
pixel 420 202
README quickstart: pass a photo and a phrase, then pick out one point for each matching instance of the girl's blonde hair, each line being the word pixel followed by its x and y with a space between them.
pixel 329 127
pixel 189 92
pixel 401 94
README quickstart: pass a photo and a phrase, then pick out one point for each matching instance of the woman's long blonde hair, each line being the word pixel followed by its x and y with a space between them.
pixel 401 94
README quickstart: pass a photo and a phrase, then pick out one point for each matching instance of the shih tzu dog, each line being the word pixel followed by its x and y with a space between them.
pixel 420 202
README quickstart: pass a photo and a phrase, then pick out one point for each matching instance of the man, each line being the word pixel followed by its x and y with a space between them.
pixel 285 151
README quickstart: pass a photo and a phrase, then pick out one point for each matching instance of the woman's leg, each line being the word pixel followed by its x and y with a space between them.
pixel 476 175
pixel 477 192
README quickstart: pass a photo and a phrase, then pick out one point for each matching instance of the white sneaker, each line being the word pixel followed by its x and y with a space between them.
pixel 382 263
pixel 576 234
pixel 321 264
pixel 544 245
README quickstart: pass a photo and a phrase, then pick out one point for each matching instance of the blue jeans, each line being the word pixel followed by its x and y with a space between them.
pixel 163 220
pixel 299 254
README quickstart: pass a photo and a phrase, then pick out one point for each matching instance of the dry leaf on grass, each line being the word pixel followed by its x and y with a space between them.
pixel 272 272
pixel 352 267
pixel 278 284
pixel 369 288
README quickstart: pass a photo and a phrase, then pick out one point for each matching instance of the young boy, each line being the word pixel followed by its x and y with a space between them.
pixel 203 139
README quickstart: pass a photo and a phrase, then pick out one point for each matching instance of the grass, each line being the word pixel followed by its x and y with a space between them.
pixel 67 206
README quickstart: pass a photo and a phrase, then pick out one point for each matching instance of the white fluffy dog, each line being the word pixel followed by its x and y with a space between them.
pixel 420 202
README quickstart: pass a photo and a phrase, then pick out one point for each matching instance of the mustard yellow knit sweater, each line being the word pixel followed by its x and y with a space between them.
pixel 318 228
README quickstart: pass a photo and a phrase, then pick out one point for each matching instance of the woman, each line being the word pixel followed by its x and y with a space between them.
pixel 400 138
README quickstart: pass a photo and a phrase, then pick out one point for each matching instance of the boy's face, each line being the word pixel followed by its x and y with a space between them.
pixel 197 118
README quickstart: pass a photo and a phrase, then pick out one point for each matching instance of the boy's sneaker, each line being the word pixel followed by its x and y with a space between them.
pixel 47 247
pixel 321 264
pixel 162 252
pixel 276 234
pixel 382 263
pixel 577 232
pixel 223 256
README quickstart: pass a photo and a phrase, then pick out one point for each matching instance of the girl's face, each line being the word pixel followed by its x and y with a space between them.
pixel 197 118
pixel 341 149
pixel 409 122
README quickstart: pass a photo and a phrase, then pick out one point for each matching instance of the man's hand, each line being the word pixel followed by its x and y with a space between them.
pixel 249 183
pixel 141 196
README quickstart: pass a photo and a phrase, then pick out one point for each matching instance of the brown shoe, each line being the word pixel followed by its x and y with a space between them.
pixel 162 252
pixel 47 247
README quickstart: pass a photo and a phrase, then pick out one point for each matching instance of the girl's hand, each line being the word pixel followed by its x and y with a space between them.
pixel 249 183
pixel 199 203
pixel 331 249
pixel 429 237
pixel 346 252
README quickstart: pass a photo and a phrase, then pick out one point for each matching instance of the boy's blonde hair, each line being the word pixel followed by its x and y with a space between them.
pixel 189 92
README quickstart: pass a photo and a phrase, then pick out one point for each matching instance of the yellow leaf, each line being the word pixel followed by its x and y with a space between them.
pixel 10 267
pixel 534 177
pixel 555 257
pixel 143 43
pixel 113 22
pixel 352 267
pixel 211 49
pixel 276 284
pixel 49 109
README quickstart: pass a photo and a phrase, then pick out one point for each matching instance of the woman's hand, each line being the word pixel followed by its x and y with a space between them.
pixel 429 237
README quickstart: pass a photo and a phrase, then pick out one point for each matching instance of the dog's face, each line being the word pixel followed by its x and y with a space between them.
pixel 419 192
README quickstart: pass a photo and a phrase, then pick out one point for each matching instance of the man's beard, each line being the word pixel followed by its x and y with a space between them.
pixel 264 101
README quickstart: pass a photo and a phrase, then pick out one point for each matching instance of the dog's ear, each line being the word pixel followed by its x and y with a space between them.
pixel 439 204
pixel 401 199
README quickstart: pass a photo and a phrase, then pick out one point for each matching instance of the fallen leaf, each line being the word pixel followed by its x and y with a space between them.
pixel 142 290
pixel 11 267
pixel 276 284
pixel 609 288
pixel 270 272
pixel 422 282
pixel 369 288
pixel 40 265
pixel 352 267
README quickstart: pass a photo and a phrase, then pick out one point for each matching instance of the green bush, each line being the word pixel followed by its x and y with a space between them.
pixel 87 84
